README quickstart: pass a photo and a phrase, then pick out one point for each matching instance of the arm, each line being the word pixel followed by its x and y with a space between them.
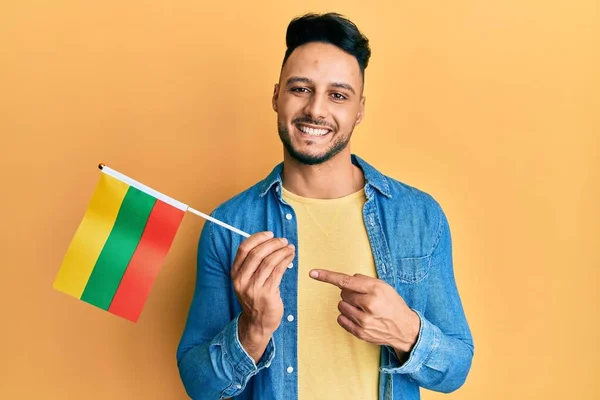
pixel 211 359
pixel 441 358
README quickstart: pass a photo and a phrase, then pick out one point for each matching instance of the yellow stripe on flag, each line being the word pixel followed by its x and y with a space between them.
pixel 91 235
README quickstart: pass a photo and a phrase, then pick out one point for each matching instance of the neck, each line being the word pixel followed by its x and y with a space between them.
pixel 336 178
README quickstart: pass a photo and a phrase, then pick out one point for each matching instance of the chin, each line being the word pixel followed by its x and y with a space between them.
pixel 303 147
pixel 314 157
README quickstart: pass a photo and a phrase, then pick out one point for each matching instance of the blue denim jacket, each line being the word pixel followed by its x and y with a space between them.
pixel 411 244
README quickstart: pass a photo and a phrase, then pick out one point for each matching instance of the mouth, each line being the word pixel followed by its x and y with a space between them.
pixel 312 131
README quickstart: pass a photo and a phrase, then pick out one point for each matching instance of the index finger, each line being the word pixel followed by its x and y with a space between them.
pixel 341 280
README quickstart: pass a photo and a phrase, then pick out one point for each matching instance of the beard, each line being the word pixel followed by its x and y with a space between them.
pixel 339 143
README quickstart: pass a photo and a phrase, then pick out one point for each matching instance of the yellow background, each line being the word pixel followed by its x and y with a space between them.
pixel 492 107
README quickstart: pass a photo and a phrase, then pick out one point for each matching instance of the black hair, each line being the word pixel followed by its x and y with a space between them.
pixel 329 28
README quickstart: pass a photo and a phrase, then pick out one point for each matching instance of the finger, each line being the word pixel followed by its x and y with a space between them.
pixel 272 261
pixel 351 312
pixel 257 255
pixel 349 326
pixel 274 280
pixel 245 247
pixel 343 281
pixel 354 298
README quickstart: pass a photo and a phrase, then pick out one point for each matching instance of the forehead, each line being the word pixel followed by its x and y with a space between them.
pixel 322 63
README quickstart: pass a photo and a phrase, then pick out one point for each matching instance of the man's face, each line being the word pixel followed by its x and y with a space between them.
pixel 318 102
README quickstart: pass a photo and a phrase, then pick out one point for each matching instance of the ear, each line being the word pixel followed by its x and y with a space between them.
pixel 361 111
pixel 275 97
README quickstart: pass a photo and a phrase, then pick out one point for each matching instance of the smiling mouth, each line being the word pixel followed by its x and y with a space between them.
pixel 315 132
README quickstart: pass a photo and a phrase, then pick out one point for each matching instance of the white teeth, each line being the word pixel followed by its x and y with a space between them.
pixel 312 131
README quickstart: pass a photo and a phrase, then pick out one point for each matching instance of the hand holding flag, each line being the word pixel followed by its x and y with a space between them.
pixel 259 264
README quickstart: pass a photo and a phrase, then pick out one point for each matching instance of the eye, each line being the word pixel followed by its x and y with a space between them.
pixel 299 90
pixel 338 96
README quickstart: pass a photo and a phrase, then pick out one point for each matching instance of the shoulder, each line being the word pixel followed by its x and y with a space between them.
pixel 250 199
pixel 410 215
pixel 241 204
pixel 406 195
pixel 394 192
pixel 415 204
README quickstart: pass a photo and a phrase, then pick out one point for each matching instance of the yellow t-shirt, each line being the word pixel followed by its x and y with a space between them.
pixel 332 363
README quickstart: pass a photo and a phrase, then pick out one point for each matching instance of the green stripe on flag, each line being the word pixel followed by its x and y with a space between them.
pixel 119 248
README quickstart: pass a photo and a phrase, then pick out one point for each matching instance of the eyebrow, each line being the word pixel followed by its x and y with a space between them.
pixel 301 79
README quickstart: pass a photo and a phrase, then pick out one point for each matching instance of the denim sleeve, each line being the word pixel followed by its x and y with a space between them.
pixel 211 360
pixel 441 358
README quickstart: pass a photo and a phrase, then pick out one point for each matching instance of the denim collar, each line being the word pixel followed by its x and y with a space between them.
pixel 373 177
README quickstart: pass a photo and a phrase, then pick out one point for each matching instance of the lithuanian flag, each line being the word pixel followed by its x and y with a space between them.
pixel 120 245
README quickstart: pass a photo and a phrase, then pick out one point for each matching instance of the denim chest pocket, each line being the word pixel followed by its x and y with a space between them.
pixel 412 269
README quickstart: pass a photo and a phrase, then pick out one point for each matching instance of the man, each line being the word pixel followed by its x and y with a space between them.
pixel 346 289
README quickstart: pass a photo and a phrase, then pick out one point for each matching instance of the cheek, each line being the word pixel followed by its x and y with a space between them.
pixel 346 119
pixel 291 105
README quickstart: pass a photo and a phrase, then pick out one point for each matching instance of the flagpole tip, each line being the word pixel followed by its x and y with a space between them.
pixel 101 166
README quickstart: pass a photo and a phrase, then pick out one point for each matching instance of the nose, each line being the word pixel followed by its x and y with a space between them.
pixel 316 107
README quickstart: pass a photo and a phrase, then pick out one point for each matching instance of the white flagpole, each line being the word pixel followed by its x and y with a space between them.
pixel 177 204
pixel 216 221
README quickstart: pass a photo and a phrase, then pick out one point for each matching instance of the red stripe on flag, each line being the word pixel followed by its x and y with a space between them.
pixel 163 222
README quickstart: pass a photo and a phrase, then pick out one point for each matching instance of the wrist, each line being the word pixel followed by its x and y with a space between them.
pixel 412 335
pixel 252 333
pixel 415 328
